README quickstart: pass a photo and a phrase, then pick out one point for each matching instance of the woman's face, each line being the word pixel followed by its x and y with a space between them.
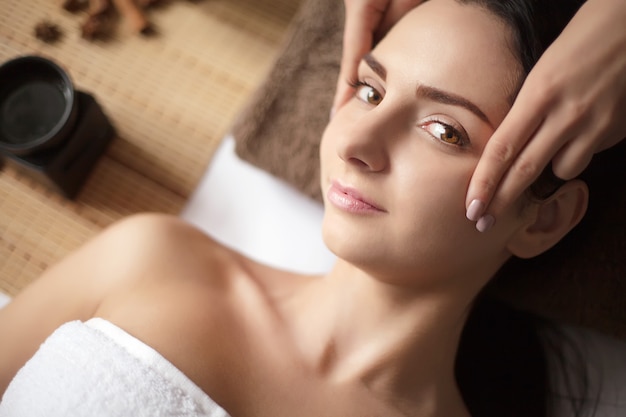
pixel 397 158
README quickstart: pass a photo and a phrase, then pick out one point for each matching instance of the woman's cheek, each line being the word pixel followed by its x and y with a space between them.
pixel 448 175
pixel 326 147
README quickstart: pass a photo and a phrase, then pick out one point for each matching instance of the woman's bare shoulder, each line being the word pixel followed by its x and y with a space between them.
pixel 198 303
pixel 157 250
pixel 137 249
pixel 165 257
pixel 157 277
pixel 75 287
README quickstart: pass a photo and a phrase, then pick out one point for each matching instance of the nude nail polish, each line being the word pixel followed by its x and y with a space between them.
pixel 485 223
pixel 475 210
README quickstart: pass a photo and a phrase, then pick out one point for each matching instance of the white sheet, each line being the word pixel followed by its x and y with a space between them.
pixel 266 219
pixel 4 299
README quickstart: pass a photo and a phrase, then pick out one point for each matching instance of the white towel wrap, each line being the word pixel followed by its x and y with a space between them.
pixel 97 369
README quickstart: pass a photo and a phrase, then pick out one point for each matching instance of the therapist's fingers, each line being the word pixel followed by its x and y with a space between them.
pixel 363 18
pixel 525 170
pixel 541 129
pixel 599 131
pixel 503 150
pixel 511 162
pixel 567 110
pixel 394 12
pixel 367 21
pixel 514 158
pixel 573 157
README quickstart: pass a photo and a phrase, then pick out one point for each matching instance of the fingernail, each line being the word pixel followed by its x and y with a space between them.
pixel 485 223
pixel 332 113
pixel 475 210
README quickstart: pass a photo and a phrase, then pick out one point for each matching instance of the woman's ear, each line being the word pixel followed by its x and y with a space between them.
pixel 550 220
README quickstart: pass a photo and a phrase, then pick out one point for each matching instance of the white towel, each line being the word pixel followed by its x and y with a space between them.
pixel 4 299
pixel 96 369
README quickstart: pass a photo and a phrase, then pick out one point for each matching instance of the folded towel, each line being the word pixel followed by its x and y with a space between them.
pixel 96 369
pixel 281 128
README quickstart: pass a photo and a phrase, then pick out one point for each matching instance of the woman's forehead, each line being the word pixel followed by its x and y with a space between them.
pixel 462 48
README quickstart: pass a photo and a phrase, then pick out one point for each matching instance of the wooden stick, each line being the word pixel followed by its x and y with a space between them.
pixel 134 15
pixel 144 4
pixel 98 19
pixel 98 7
pixel 74 6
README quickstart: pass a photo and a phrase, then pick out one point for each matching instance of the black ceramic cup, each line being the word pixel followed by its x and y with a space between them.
pixel 38 107
pixel 49 131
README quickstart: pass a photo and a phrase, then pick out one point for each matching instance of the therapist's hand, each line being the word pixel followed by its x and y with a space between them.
pixel 572 105
pixel 366 21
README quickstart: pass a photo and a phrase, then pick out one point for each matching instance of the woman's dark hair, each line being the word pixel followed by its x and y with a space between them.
pixel 502 365
pixel 535 24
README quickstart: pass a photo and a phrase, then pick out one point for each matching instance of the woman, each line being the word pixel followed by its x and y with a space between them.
pixel 377 336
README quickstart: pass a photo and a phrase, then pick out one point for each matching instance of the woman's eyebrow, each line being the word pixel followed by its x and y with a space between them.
pixel 446 97
pixel 375 65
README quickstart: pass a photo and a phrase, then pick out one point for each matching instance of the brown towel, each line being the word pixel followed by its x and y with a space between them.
pixel 281 129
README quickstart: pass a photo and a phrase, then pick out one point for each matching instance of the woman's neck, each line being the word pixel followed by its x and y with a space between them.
pixel 396 341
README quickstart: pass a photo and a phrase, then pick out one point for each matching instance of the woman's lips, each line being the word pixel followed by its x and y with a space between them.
pixel 351 200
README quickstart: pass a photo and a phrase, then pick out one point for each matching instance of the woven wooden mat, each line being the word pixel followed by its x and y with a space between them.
pixel 171 98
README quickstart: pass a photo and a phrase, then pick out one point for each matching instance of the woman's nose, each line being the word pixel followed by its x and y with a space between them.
pixel 365 142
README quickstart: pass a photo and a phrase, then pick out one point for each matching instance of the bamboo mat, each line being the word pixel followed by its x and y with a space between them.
pixel 171 98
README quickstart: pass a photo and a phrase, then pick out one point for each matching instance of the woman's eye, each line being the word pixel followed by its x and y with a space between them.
pixel 368 94
pixel 445 133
